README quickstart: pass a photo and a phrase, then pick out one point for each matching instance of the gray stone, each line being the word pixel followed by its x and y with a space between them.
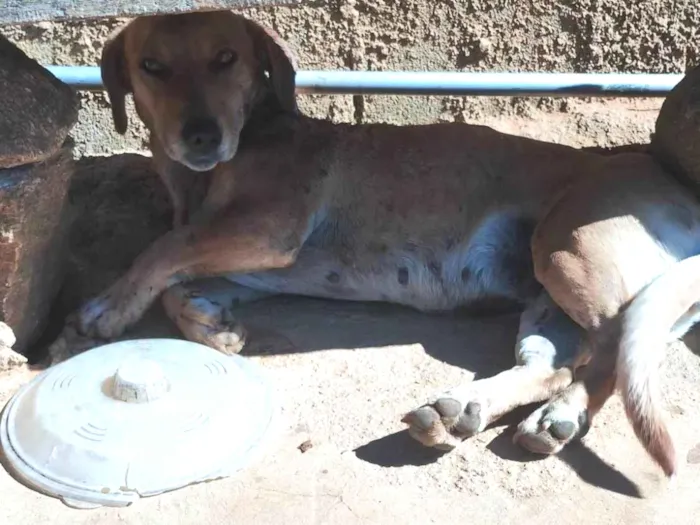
pixel 9 359
pixel 24 11
pixel 34 220
pixel 37 109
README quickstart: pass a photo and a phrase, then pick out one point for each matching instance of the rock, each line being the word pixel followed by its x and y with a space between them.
pixel 675 140
pixel 9 359
pixel 7 336
pixel 37 109
pixel 34 220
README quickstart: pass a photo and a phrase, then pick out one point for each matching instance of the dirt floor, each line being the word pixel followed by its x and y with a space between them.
pixel 345 373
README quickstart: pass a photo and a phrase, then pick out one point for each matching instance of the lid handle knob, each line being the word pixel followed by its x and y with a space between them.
pixel 139 381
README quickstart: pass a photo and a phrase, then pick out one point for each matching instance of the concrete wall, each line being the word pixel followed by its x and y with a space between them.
pixel 468 35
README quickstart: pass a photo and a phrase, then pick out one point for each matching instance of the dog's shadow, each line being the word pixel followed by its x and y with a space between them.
pixel 397 450
pixel 587 465
pixel 483 345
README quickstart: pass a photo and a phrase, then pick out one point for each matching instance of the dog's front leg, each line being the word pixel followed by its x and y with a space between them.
pixel 252 238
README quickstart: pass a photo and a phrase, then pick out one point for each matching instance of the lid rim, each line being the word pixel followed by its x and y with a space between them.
pixel 48 486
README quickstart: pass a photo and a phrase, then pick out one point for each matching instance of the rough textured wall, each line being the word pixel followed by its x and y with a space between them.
pixel 469 35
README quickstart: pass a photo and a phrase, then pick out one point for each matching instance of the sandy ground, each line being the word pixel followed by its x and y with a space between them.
pixel 345 373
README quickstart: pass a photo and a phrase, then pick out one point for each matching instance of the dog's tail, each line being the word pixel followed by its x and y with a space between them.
pixel 666 305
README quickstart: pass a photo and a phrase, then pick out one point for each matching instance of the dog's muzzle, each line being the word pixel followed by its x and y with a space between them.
pixel 201 138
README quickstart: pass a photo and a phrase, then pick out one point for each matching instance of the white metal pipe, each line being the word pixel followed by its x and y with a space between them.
pixel 445 83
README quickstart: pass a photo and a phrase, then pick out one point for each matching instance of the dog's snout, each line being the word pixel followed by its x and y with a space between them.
pixel 202 136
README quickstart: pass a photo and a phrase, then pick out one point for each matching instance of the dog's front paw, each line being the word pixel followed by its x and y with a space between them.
pixel 69 344
pixel 102 318
pixel 95 323
pixel 204 320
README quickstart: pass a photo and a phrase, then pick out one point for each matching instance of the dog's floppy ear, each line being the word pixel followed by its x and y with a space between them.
pixel 277 60
pixel 116 79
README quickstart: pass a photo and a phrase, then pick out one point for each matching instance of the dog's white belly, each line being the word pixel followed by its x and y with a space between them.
pixel 321 275
pixel 495 261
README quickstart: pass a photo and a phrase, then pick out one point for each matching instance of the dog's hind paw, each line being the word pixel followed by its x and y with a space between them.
pixel 552 426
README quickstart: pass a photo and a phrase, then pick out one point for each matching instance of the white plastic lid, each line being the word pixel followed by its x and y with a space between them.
pixel 135 418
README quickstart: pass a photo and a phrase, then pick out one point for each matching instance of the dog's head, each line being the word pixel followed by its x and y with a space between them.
pixel 195 78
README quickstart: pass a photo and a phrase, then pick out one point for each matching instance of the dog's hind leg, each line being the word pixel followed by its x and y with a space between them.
pixel 201 309
pixel 594 260
pixel 546 345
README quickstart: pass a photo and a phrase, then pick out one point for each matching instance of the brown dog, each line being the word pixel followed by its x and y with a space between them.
pixel 599 249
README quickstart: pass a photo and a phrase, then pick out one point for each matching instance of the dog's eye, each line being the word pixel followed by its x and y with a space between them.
pixel 153 67
pixel 224 59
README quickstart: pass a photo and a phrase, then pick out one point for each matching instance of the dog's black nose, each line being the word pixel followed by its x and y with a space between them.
pixel 202 135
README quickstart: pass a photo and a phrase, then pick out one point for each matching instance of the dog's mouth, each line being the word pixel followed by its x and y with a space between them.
pixel 201 155
pixel 199 162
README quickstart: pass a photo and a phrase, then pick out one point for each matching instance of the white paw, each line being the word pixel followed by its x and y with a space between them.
pixel 204 321
pixel 549 428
